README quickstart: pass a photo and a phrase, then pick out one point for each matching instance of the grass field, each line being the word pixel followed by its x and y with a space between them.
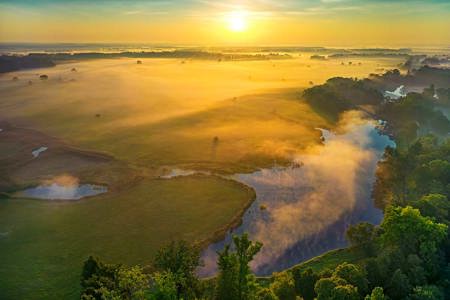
pixel 165 112
pixel 43 243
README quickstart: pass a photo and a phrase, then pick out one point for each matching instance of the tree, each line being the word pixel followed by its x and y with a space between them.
pixel 412 233
pixel 428 292
pixel 435 206
pixel 325 287
pixel 362 234
pixel 245 251
pixel 376 271
pixel 181 260
pixel 163 286
pixel 266 294
pixel 304 283
pixel 132 283
pixel 377 294
pixel 235 279
pixel 399 285
pixel 283 286
pixel 98 280
pixel 353 275
pixel 345 292
pixel 227 281
pixel 107 281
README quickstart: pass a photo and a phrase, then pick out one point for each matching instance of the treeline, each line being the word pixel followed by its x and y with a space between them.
pixel 9 63
pixel 408 118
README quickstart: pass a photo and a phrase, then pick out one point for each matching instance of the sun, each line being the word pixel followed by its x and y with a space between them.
pixel 237 21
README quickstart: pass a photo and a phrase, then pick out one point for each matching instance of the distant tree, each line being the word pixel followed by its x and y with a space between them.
pixel 377 294
pixel 181 260
pixel 283 286
pixel 304 283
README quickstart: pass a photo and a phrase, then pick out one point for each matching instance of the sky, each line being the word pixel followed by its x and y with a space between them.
pixel 207 22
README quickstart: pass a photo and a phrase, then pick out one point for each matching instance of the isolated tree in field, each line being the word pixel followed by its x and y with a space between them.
pixel 181 259
pixel 304 283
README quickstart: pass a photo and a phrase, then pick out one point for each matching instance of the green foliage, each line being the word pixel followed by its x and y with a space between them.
pixel 353 275
pixel 412 233
pixel 362 235
pixel 283 286
pixel 377 294
pixel 414 114
pixel 227 282
pixel 266 294
pixel 164 286
pixel 103 281
pixel 235 278
pixel 435 206
pixel 345 292
pixel 428 292
pixel 399 285
pixel 180 259
pixel 304 283
pixel 340 94
pixel 331 287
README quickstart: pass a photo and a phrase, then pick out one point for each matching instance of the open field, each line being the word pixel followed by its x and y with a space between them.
pixel 43 244
pixel 120 124
pixel 166 112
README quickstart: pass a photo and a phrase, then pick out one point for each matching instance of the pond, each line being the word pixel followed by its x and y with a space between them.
pixel 57 191
pixel 303 210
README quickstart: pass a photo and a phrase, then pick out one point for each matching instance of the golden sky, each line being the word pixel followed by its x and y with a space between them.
pixel 205 22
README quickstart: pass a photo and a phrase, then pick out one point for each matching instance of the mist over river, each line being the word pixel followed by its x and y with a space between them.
pixel 303 210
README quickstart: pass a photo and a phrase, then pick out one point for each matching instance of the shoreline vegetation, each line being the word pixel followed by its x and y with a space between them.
pixel 406 257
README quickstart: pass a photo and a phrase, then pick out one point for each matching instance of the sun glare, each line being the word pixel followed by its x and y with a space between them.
pixel 237 21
